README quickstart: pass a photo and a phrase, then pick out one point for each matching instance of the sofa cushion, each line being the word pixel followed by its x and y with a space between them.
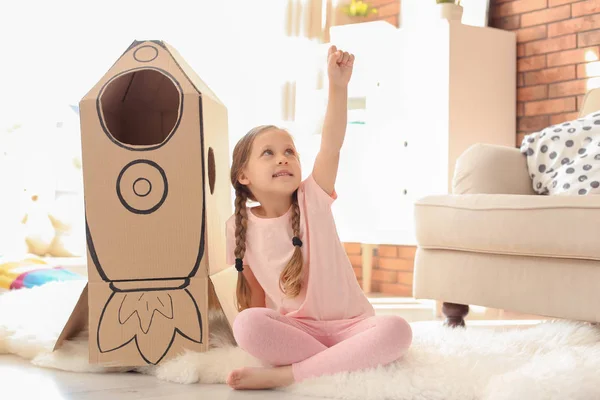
pixel 565 158
pixel 543 226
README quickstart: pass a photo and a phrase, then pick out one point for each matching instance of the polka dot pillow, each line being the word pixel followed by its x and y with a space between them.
pixel 564 159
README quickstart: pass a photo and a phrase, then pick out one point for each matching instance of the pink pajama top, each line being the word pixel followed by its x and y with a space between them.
pixel 330 291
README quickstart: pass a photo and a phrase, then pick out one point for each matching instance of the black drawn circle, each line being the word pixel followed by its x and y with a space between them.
pixel 145 55
pixel 156 206
pixel 135 189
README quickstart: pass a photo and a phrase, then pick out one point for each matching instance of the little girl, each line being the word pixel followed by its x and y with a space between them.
pixel 302 310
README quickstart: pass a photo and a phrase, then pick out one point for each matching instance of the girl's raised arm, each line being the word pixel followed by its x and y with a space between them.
pixel 339 70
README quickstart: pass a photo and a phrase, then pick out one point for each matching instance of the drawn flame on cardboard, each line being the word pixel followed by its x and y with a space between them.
pixel 137 312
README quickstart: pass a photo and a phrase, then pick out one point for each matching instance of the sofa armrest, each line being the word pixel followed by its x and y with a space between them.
pixel 491 169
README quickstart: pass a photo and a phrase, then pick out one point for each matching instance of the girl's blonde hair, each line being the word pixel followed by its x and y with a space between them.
pixel 290 279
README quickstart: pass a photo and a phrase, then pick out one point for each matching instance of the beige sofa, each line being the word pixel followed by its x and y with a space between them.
pixel 493 242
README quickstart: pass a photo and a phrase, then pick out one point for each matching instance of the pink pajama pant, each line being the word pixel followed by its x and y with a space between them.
pixel 315 348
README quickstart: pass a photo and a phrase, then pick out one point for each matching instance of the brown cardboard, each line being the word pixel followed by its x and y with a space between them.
pixel 78 320
pixel 155 169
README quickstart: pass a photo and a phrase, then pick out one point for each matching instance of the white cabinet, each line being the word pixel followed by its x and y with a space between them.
pixel 430 92
pixel 457 86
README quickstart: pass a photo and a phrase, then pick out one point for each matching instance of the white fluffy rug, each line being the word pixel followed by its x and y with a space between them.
pixel 557 360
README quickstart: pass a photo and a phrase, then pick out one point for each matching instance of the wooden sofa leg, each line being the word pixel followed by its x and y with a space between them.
pixel 455 314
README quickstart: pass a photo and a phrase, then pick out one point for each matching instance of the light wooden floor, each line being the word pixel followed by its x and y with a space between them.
pixel 21 380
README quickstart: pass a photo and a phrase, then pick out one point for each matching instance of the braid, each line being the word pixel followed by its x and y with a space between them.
pixel 290 281
pixel 295 215
pixel 241 223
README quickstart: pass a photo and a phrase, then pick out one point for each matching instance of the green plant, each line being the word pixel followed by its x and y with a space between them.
pixel 448 1
pixel 359 8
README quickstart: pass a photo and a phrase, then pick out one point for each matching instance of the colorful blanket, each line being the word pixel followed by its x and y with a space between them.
pixel 30 272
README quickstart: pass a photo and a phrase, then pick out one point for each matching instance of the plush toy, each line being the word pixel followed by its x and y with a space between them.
pixel 37 157
pixel 39 231
pixel 54 227
pixel 68 219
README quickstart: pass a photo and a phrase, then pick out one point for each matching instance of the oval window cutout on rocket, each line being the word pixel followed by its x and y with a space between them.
pixel 140 108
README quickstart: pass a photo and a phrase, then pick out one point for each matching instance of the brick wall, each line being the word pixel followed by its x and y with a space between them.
pixel 558 42
pixel 392 268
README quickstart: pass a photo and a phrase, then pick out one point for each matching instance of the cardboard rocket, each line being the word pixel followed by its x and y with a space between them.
pixel 155 169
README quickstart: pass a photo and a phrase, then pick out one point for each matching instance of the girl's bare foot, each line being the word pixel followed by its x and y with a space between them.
pixel 260 378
